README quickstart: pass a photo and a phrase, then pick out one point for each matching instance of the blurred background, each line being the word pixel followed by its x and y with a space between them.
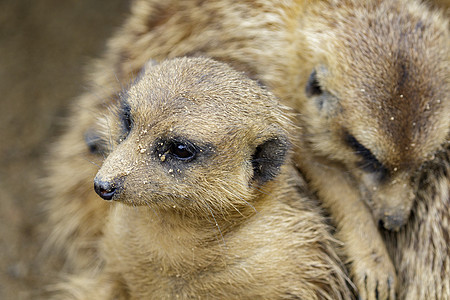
pixel 45 46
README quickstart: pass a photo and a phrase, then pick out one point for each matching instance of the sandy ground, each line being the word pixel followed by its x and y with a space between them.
pixel 44 48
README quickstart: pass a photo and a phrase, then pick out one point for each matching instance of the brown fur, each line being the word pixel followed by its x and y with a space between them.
pixel 390 53
pixel 230 221
pixel 420 250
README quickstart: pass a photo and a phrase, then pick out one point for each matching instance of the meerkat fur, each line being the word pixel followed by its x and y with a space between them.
pixel 368 78
pixel 206 202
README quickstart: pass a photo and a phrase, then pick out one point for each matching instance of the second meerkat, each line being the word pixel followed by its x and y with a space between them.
pixel 207 202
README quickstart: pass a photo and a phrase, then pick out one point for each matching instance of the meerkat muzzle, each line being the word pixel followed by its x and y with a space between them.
pixel 107 189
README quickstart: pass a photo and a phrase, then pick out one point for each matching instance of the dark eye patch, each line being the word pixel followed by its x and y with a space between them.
pixel 179 150
pixel 313 87
pixel 126 118
pixel 369 163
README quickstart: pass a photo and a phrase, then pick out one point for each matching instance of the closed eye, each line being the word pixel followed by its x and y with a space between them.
pixel 369 163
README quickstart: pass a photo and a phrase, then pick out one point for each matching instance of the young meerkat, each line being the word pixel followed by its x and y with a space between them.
pixel 370 79
pixel 206 202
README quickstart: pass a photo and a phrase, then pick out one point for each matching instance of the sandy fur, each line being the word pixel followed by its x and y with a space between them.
pixel 280 44
pixel 215 227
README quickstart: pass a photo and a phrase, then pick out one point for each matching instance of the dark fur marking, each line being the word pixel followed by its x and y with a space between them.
pixel 369 163
pixel 125 116
pixel 420 26
pixel 376 291
pixel 403 76
pixel 193 152
pixel 268 158
pixel 313 87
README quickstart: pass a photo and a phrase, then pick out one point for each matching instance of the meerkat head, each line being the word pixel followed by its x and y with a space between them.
pixel 192 133
pixel 377 99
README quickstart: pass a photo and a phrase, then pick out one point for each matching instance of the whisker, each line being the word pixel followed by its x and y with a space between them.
pixel 153 209
pixel 217 224
pixel 119 82
pixel 258 188
pixel 224 184
pixel 92 162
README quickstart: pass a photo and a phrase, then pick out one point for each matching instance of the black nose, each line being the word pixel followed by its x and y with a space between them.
pixel 393 223
pixel 105 189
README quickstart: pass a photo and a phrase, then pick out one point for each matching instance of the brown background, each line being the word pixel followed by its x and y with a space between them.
pixel 44 48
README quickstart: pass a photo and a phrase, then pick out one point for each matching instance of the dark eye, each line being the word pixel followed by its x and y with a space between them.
pixel 182 152
pixel 126 117
pixel 313 87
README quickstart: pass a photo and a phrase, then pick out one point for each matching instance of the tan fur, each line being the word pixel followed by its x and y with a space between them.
pixel 231 222
pixel 76 216
pixel 384 62
pixel 383 114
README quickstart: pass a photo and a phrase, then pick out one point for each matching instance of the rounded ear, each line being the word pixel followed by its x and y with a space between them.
pixel 322 98
pixel 313 87
pixel 268 158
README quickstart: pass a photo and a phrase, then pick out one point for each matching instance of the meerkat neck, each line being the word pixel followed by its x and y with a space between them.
pixel 166 226
pixel 170 229
pixel 175 241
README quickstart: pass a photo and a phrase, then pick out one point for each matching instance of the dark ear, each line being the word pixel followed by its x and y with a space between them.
pixel 323 99
pixel 268 159
pixel 313 87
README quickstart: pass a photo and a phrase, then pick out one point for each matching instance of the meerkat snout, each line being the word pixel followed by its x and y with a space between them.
pixel 393 203
pixel 390 195
pixel 107 189
pixel 392 222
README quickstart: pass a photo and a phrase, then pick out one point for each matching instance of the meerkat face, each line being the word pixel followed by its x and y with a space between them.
pixel 377 102
pixel 192 133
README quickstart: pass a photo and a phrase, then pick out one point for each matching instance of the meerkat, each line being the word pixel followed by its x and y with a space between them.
pixel 426 237
pixel 375 116
pixel 369 79
pixel 205 199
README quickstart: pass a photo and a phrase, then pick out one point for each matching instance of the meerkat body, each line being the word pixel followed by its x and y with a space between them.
pixel 374 112
pixel 206 201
